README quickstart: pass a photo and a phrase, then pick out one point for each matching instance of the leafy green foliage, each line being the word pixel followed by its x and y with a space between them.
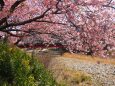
pixel 18 69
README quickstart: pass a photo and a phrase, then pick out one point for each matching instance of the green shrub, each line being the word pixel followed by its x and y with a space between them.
pixel 18 69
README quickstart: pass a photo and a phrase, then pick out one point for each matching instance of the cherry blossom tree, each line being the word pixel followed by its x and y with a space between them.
pixel 81 26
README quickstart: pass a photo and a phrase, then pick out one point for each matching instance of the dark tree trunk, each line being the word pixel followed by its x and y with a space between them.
pixel 1 4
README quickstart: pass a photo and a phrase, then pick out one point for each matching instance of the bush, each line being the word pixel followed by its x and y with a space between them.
pixel 18 69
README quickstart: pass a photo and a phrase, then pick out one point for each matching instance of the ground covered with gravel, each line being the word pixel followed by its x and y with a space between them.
pixel 102 74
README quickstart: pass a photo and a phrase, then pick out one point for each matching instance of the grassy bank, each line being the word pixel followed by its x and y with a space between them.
pixel 93 59
pixel 19 69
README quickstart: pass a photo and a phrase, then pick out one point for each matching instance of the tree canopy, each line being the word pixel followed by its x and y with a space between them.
pixel 85 26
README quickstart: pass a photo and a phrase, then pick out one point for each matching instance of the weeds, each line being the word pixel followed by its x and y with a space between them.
pixel 19 69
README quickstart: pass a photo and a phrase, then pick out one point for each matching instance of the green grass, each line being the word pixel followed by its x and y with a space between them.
pixel 19 69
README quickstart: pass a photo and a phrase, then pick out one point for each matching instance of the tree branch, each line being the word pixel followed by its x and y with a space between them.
pixel 16 4
pixel 108 5
pixel 13 7
pixel 50 22
pixel 24 22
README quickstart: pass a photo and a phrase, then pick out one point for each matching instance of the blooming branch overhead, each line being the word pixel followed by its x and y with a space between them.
pixel 86 26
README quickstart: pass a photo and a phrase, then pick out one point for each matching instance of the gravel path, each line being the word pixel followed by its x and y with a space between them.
pixel 103 74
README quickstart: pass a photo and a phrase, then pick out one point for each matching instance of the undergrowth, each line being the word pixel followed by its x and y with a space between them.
pixel 19 69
